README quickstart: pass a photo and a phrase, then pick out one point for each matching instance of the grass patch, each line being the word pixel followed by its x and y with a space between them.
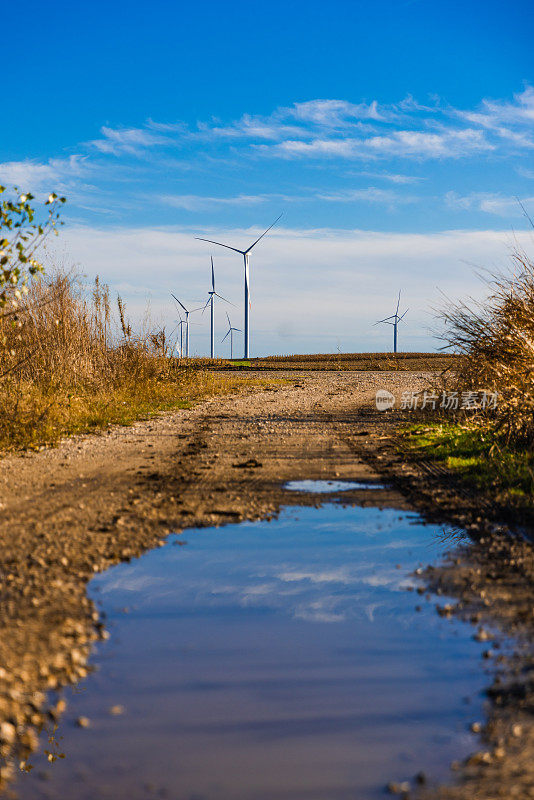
pixel 33 416
pixel 480 457
pixel 70 364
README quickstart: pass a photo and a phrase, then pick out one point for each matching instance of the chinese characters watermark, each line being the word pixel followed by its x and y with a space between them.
pixel 472 400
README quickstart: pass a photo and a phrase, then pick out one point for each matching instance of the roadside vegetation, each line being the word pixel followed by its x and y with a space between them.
pixel 492 448
pixel 70 361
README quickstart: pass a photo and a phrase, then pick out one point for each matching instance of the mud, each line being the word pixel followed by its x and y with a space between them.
pixel 72 511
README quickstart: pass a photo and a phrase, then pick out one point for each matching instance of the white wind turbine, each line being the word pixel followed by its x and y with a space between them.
pixel 192 311
pixel 181 326
pixel 396 319
pixel 245 254
pixel 230 332
pixel 211 296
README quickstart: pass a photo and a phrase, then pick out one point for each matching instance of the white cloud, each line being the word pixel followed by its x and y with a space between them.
pixel 398 144
pixel 251 127
pixel 194 202
pixel 336 127
pixel 348 278
pixel 525 173
pixel 335 113
pixel 392 177
pixel 493 113
pixel 370 195
pixel 490 203
pixel 131 141
pixel 46 176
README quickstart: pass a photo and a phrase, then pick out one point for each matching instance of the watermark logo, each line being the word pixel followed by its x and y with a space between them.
pixel 472 400
pixel 384 400
pixel 480 400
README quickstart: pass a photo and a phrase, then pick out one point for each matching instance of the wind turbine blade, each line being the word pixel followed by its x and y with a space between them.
pixel 196 309
pixel 237 329
pixel 212 275
pixel 199 239
pixel 404 314
pixel 207 304
pixel 224 337
pixel 228 318
pixel 263 234
pixel 384 320
pixel 184 308
pixel 398 304
pixel 224 298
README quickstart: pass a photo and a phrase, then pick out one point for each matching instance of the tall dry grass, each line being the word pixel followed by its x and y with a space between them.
pixel 70 362
pixel 496 339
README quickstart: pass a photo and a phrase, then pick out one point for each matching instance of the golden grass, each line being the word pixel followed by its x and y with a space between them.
pixel 496 340
pixel 69 365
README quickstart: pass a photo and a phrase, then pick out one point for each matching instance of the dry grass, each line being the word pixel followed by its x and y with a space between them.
pixel 69 364
pixel 497 342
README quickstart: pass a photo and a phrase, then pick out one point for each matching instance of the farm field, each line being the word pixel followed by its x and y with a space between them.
pixel 374 362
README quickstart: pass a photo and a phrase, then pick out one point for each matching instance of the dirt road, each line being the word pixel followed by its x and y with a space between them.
pixel 74 510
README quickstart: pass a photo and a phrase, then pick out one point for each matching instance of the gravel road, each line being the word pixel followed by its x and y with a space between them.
pixel 74 510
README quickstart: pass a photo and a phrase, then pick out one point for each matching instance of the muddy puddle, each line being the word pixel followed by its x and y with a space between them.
pixel 280 660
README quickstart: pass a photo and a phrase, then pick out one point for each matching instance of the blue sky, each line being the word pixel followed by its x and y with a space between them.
pixel 394 136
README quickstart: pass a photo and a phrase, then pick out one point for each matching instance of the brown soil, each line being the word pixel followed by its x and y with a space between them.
pixel 74 510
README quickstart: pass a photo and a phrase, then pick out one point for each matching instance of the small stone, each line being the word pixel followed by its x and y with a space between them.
pixel 517 730
pixel 83 722
pixel 476 727
pixel 8 733
pixel 398 788
pixel 116 710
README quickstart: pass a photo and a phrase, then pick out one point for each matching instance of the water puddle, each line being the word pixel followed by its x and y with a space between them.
pixel 278 660
pixel 328 487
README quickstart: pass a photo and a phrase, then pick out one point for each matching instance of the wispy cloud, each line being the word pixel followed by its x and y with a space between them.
pixel 131 141
pixel 194 202
pixel 490 203
pixel 373 195
pixel 398 144
pixel 330 128
pixel 392 177
pixel 337 113
pixel 46 176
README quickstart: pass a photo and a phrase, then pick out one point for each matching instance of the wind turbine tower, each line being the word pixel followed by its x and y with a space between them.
pixel 211 296
pixel 181 326
pixel 394 320
pixel 245 254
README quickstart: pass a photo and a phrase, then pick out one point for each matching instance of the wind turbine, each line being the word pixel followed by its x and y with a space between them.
pixel 213 294
pixel 230 332
pixel 186 323
pixel 181 326
pixel 396 319
pixel 245 254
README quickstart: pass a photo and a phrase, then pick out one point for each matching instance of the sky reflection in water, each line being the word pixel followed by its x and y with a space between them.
pixel 268 661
